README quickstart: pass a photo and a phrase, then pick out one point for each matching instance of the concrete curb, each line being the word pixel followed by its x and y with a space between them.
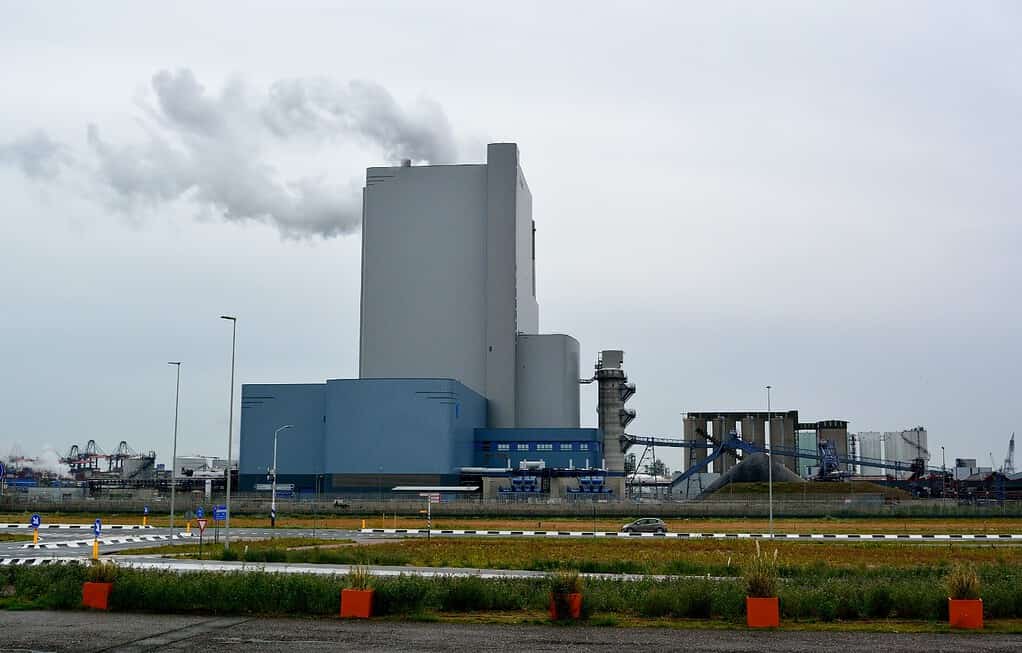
pixel 871 537
pixel 77 526
pixel 126 539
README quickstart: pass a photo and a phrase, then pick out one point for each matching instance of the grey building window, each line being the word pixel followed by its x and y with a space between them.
pixel 522 446
pixel 503 446
pixel 566 446
pixel 544 447
pixel 583 446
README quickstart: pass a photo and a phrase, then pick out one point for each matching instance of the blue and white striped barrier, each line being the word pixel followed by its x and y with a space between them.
pixel 872 537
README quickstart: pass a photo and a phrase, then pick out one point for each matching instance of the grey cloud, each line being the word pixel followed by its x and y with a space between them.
pixel 211 149
pixel 36 154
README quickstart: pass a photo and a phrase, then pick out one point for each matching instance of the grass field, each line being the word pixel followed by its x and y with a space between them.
pixel 15 537
pixel 673 557
pixel 720 525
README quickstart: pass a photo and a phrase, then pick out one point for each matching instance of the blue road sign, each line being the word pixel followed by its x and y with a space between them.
pixel 200 513
pixel 3 470
pixel 145 510
pixel 97 527
pixel 36 521
pixel 220 513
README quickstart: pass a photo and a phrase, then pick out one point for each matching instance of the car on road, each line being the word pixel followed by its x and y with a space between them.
pixel 645 525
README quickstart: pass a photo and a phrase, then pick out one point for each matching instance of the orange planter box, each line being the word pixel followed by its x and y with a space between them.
pixel 762 612
pixel 571 604
pixel 96 595
pixel 965 613
pixel 357 603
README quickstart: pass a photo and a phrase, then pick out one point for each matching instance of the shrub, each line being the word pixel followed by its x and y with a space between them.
pixel 101 572
pixel 359 578
pixel 760 575
pixel 404 595
pixel 565 582
pixel 229 554
pixel 963 581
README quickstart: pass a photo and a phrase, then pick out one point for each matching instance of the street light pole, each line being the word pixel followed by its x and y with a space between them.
pixel 273 488
pixel 943 475
pixel 173 455
pixel 230 428
pixel 770 466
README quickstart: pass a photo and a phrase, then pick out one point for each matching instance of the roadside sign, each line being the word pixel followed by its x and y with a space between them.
pixel 200 513
pixel 202 525
pixel 3 470
pixel 145 510
pixel 97 527
pixel 36 521
pixel 220 513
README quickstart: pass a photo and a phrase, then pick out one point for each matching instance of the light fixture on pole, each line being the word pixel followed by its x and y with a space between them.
pixel 770 464
pixel 273 488
pixel 230 428
pixel 173 455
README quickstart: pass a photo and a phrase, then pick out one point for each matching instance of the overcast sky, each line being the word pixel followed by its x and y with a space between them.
pixel 820 196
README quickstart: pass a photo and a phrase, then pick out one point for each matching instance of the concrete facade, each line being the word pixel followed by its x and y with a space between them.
pixel 547 381
pixel 448 276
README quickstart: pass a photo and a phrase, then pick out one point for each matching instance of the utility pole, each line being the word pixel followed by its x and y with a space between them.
pixel 273 488
pixel 770 465
pixel 173 456
pixel 230 427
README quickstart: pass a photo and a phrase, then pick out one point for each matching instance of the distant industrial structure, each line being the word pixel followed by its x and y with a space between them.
pixel 92 463
pixel 909 444
pixel 457 386
pixel 459 392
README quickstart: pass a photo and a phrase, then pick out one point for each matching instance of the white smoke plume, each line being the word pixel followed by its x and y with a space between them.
pixel 47 461
pixel 213 149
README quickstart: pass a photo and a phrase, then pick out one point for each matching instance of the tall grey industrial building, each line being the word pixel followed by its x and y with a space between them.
pixel 449 289
pixel 455 381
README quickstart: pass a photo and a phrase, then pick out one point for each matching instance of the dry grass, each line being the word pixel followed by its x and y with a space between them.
pixel 659 554
pixel 693 525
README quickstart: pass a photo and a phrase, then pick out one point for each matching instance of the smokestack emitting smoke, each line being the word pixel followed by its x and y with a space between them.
pixel 211 149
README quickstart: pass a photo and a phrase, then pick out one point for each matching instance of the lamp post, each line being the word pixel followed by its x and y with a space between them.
pixel 173 455
pixel 943 475
pixel 273 488
pixel 230 427
pixel 770 466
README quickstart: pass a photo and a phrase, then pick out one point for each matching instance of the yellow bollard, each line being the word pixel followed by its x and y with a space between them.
pixel 95 549
pixel 363 524
pixel 188 528
pixel 35 536
pixel 145 520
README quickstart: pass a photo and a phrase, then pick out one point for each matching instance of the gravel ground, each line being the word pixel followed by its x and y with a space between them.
pixel 85 631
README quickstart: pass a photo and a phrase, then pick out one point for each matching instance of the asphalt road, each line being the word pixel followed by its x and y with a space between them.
pixel 93 632
pixel 17 550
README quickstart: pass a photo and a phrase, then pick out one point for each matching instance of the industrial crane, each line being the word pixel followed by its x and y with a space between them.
pixel 1009 460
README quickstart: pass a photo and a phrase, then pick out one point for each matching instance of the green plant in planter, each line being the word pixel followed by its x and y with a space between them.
pixel 963 581
pixel 101 572
pixel 760 574
pixel 360 578
pixel 565 582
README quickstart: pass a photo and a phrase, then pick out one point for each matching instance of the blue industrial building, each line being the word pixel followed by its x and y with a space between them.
pixel 349 435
